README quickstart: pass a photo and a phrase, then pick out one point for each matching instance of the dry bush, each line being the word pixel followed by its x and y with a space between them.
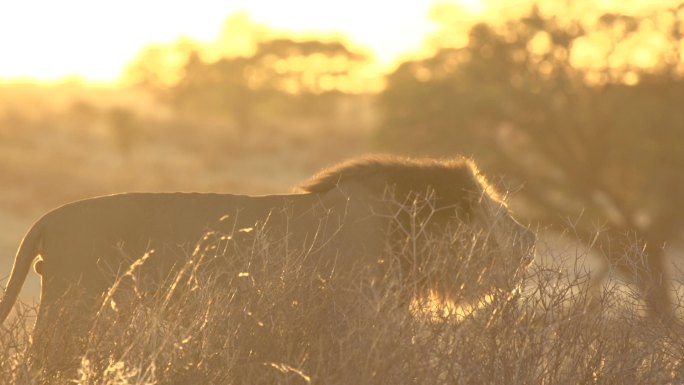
pixel 246 310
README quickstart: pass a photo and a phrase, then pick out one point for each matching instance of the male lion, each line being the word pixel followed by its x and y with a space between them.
pixel 348 215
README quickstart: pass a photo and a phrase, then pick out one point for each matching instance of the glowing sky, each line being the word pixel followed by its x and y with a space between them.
pixel 48 40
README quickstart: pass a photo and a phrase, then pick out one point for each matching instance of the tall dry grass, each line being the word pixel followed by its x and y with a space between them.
pixel 260 315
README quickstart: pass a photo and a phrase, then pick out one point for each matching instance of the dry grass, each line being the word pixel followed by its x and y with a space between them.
pixel 258 315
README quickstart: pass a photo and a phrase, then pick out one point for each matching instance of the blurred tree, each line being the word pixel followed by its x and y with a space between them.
pixel 305 74
pixel 587 118
pixel 298 76
pixel 159 67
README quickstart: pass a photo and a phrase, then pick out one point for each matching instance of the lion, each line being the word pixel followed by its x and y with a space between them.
pixel 361 212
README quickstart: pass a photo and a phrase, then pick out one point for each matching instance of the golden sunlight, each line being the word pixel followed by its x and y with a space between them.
pixel 473 6
pixel 47 41
pixel 93 41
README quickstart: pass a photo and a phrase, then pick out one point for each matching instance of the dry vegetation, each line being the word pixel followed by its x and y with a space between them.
pixel 254 315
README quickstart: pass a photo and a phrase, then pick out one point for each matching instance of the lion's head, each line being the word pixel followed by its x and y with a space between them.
pixel 448 231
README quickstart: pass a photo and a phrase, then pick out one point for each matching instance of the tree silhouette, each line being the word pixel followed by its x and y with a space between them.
pixel 599 147
pixel 299 74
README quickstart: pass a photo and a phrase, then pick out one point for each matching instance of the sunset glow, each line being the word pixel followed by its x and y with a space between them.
pixel 93 41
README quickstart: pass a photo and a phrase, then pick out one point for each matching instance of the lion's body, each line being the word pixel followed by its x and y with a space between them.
pixel 89 242
pixel 339 219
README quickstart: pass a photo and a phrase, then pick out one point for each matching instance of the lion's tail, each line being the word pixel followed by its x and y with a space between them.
pixel 28 250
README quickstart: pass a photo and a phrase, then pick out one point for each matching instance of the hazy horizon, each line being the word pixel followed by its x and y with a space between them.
pixel 79 41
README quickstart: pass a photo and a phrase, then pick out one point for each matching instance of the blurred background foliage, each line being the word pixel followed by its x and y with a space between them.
pixel 583 119
pixel 580 115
